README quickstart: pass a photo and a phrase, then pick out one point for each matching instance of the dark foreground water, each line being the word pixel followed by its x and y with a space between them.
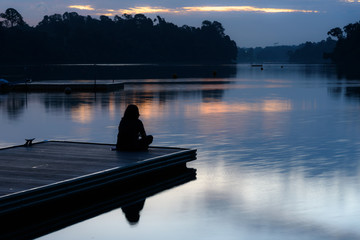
pixel 278 153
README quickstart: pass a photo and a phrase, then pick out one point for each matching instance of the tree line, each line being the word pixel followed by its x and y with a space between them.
pixel 346 54
pixel 309 52
pixel 72 38
pixel 342 47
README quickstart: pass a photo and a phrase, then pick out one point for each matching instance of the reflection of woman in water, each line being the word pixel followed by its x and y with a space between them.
pixel 132 211
pixel 130 129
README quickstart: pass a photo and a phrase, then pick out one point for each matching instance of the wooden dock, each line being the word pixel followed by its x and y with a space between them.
pixel 67 87
pixel 50 182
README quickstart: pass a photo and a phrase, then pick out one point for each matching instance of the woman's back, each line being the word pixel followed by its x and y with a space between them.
pixel 130 130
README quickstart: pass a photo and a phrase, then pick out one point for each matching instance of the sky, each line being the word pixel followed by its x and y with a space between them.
pixel 250 23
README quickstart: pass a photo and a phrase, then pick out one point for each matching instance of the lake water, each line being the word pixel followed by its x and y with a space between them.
pixel 278 152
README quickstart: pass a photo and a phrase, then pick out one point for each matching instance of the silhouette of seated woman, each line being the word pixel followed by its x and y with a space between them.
pixel 132 135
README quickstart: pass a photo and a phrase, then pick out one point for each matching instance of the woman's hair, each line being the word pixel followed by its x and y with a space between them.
pixel 131 112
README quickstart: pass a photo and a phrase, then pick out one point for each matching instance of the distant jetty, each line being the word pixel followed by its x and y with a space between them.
pixel 66 87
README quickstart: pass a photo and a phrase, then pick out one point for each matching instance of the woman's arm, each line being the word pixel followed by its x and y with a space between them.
pixel 142 129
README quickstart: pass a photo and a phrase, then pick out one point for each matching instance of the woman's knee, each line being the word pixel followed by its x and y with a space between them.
pixel 149 139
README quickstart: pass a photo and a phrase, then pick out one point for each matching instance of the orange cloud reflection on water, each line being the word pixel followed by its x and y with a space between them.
pixel 266 106
pixel 152 110
pixel 112 107
pixel 82 114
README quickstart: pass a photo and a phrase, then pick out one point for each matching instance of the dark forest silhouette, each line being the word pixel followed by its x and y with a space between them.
pixel 347 51
pixel 72 38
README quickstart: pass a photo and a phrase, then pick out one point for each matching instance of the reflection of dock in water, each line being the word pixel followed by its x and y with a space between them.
pixel 101 86
pixel 50 185
pixel 67 86
pixel 184 81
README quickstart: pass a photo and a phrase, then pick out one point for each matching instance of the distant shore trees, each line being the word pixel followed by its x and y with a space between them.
pixel 342 47
pixel 72 38
pixel 309 52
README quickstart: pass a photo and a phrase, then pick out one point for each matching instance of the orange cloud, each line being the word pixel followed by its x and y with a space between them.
pixel 146 9
pixel 134 10
pixel 243 9
pixel 82 7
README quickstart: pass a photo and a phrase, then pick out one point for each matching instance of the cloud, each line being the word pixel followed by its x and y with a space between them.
pixel 144 9
pixel 243 9
pixel 194 9
pixel 82 7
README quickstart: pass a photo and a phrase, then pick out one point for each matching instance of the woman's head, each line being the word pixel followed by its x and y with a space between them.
pixel 131 112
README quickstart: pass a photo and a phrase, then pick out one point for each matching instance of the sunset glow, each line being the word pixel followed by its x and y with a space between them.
pixel 243 9
pixel 145 9
pixel 182 10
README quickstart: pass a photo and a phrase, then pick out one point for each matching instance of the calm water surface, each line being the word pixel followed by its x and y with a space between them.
pixel 278 153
